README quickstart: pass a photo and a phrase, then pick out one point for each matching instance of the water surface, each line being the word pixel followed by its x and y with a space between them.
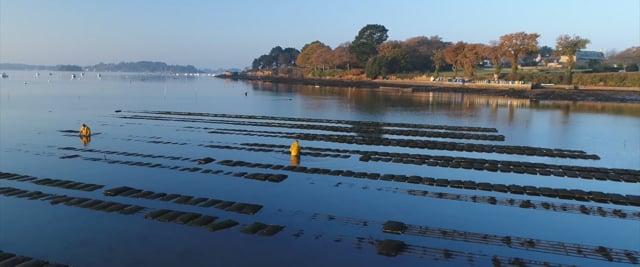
pixel 327 219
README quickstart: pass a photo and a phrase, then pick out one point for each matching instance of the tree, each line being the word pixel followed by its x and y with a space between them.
pixel 545 51
pixel 464 56
pixel 568 46
pixel 376 66
pixel 420 51
pixel 395 56
pixel 288 56
pixel 314 54
pixel 68 68
pixel 276 58
pixel 493 52
pixel 262 63
pixel 366 43
pixel 625 58
pixel 341 56
pixel 321 58
pixel 451 54
pixel 632 67
pixel 283 57
pixel 517 45
pixel 275 53
pixel 438 61
pixel 471 57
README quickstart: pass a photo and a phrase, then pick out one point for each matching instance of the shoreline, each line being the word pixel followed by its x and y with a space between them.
pixel 558 92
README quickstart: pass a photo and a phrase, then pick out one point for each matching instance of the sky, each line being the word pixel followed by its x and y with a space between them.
pixel 230 34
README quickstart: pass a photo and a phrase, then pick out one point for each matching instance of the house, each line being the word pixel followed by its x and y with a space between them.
pixel 585 59
pixel 548 61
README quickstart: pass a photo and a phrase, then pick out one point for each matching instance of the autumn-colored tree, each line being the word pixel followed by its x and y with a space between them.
pixel 464 56
pixel 471 58
pixel 568 46
pixel 390 48
pixel 366 43
pixel 451 56
pixel 517 45
pixel 341 57
pixel 626 58
pixel 308 58
pixel 322 58
pixel 494 54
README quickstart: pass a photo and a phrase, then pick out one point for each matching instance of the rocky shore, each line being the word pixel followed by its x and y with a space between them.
pixel 564 93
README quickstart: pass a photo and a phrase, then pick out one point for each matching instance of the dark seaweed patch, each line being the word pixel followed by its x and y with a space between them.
pixel 270 230
pixel 205 160
pixel 390 247
pixel 187 217
pixel 210 203
pixel 131 210
pixel 170 216
pixel 253 228
pixel 221 225
pixel 394 227
pixel 202 220
pixel 156 214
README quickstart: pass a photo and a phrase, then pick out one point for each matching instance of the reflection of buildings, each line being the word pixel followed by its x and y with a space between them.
pixel 470 100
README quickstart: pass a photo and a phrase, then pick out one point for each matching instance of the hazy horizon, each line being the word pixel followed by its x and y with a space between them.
pixel 11 65
pixel 230 34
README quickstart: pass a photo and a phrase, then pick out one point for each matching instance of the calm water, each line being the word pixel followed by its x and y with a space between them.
pixel 328 220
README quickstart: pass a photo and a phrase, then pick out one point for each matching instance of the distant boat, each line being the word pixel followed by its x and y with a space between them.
pixel 73 76
pixel 50 73
pixel 99 76
pixel 4 75
pixel 37 74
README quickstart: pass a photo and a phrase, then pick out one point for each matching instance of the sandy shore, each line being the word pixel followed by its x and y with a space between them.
pixel 624 95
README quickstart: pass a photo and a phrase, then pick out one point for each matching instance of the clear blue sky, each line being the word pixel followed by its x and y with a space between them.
pixel 212 34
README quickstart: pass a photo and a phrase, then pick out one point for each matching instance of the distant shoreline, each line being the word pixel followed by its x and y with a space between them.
pixel 137 66
pixel 560 93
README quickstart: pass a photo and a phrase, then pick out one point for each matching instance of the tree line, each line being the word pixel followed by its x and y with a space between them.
pixel 140 66
pixel 371 52
pixel 143 66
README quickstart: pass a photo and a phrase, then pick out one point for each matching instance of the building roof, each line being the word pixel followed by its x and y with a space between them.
pixel 589 55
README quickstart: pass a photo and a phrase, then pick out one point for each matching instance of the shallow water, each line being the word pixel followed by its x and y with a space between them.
pixel 327 219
